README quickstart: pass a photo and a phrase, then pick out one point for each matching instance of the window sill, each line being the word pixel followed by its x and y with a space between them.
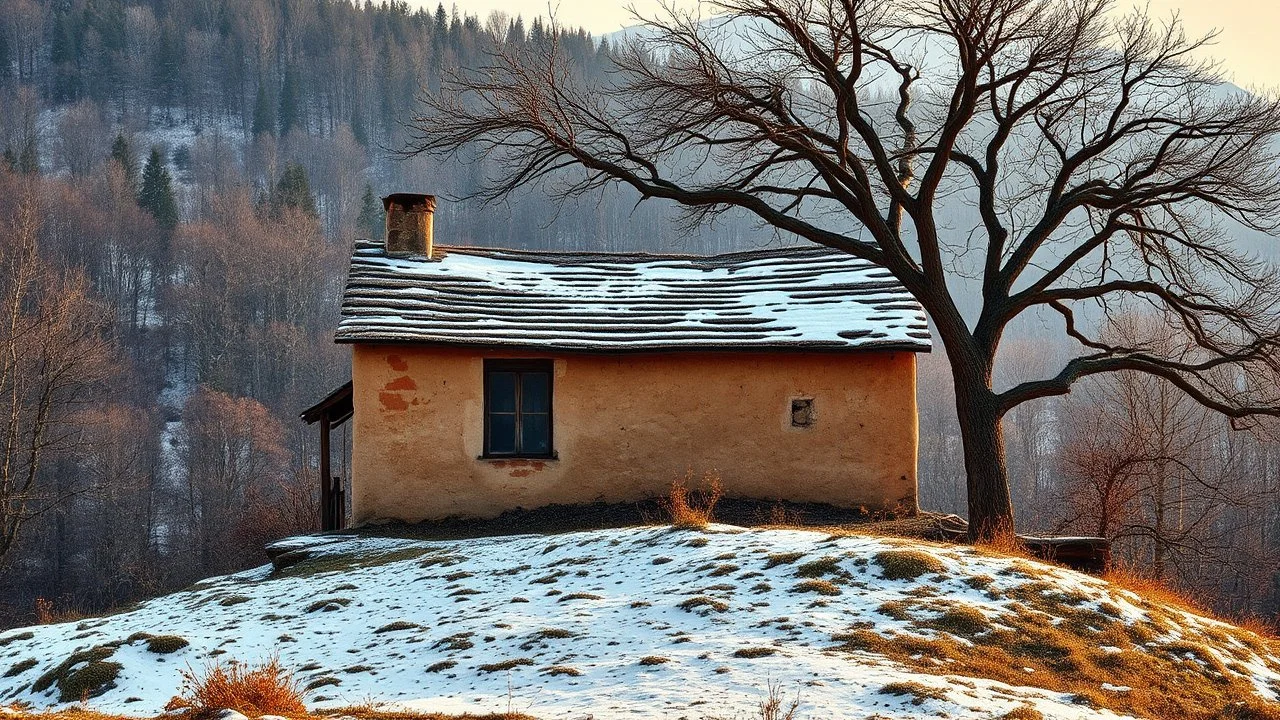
pixel 544 458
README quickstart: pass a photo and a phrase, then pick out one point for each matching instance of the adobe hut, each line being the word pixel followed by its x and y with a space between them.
pixel 484 380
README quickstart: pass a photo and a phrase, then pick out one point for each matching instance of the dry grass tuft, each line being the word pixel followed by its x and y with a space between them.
pixel 701 601
pixel 1006 544
pixel 777 559
pixel 907 564
pixel 818 568
pixel 962 620
pixel 84 674
pixel 822 587
pixel 47 613
pixel 165 644
pixel 254 690
pixel 918 691
pixel 692 508
pixel 511 664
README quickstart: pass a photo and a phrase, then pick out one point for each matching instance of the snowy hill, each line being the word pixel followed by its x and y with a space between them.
pixel 656 622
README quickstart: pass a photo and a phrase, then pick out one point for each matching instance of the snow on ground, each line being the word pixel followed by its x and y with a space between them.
pixel 638 622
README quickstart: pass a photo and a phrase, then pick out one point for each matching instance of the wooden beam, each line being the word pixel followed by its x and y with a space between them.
pixel 327 521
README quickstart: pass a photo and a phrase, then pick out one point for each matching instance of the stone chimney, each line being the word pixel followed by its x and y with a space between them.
pixel 409 220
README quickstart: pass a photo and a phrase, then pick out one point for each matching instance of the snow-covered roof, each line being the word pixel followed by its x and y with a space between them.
pixel 795 298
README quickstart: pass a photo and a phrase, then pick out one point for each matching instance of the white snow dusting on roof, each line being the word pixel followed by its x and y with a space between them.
pixel 805 298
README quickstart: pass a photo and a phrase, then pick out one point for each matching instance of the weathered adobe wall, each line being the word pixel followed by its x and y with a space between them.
pixel 625 426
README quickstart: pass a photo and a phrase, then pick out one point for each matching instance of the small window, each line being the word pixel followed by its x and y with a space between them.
pixel 802 412
pixel 517 408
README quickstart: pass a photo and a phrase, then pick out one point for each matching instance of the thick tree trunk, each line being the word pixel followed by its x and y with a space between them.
pixel 990 507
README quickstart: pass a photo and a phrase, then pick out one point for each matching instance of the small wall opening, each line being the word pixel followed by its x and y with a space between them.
pixel 802 415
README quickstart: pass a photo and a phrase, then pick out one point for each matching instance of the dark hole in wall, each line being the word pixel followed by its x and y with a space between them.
pixel 802 412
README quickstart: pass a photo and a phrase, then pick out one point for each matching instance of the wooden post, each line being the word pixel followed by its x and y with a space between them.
pixel 326 511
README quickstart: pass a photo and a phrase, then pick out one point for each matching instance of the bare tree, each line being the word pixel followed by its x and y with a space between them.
pixel 1106 165
pixel 230 446
pixel 54 351
pixel 1151 470
pixel 82 138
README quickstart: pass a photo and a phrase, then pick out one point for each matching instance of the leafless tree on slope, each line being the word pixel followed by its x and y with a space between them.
pixel 1106 164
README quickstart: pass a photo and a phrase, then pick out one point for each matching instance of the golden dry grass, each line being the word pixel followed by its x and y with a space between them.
pixel 265 689
pixel 1153 590
pixel 693 508
pixel 1187 679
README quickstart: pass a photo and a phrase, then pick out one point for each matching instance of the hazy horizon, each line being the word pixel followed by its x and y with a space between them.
pixel 1245 45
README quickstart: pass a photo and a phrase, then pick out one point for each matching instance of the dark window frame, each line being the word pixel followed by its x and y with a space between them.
pixel 519 367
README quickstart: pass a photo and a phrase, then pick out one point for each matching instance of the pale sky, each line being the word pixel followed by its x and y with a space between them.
pixel 1249 43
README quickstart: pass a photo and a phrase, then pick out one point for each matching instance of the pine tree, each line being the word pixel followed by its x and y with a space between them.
pixel 371 219
pixel 293 190
pixel 515 34
pixel 441 26
pixel 263 123
pixel 156 196
pixel 122 152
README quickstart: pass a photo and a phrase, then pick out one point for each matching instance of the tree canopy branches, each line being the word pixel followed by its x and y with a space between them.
pixel 1107 164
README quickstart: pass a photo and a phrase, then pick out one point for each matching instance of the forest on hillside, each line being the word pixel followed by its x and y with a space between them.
pixel 181 185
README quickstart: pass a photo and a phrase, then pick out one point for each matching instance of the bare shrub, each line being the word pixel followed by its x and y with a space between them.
pixel 48 613
pixel 693 507
pixel 775 706
pixel 265 689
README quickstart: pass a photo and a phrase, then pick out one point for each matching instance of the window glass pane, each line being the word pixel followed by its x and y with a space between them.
pixel 502 434
pixel 536 396
pixel 535 434
pixel 502 392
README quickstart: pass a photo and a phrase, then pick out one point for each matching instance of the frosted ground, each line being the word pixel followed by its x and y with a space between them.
pixel 640 622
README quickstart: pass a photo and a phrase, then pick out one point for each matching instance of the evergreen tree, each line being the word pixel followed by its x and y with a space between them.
pixel 156 196
pixel 293 190
pixel 441 26
pixel 515 33
pixel 263 123
pixel 10 160
pixel 372 218
pixel 290 109
pixel 122 152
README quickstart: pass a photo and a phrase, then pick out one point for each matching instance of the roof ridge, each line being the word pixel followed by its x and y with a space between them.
pixel 805 250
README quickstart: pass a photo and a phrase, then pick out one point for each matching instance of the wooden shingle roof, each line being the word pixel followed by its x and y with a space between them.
pixel 795 298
